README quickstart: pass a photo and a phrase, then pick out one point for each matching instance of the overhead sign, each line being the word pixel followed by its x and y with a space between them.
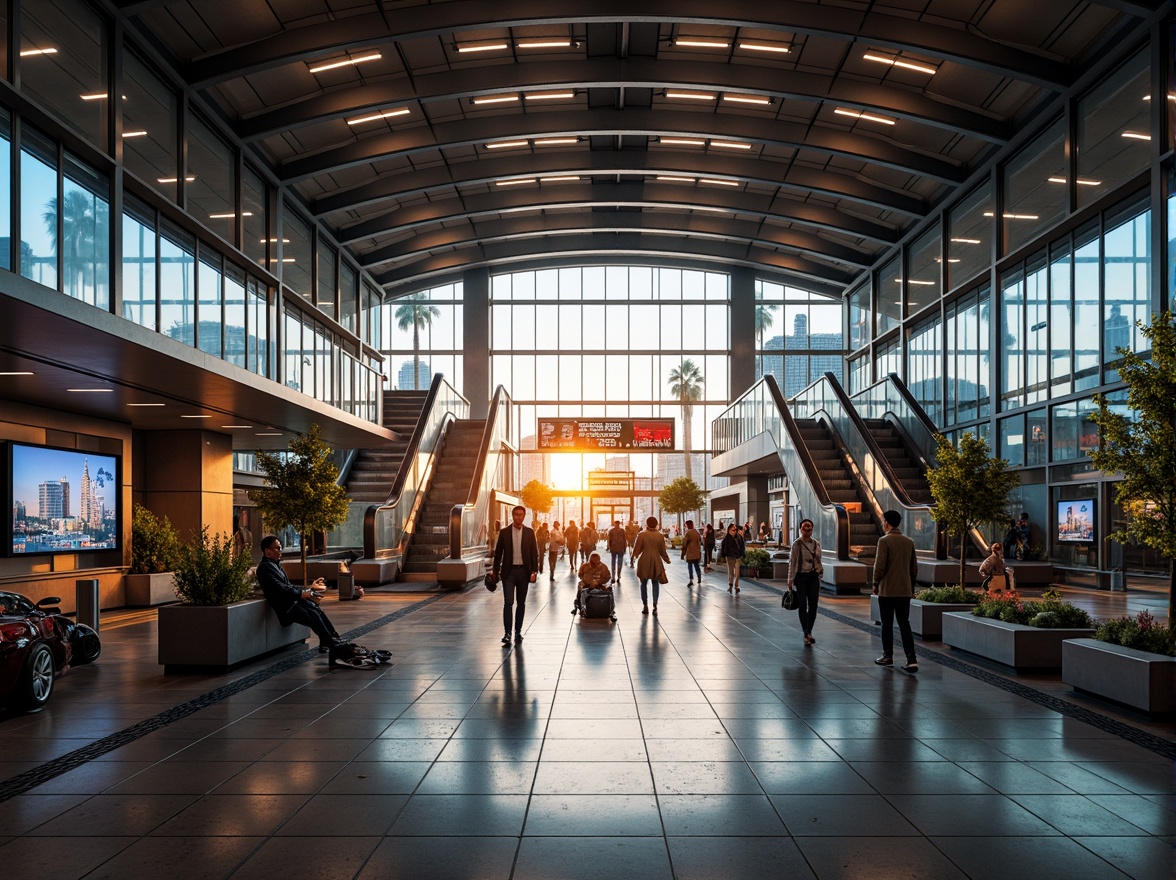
pixel 611 480
pixel 595 435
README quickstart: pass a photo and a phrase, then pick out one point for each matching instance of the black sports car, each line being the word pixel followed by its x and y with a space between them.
pixel 37 644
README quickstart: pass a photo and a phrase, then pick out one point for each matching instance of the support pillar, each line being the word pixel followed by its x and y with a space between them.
pixel 742 330
pixel 187 476
pixel 476 341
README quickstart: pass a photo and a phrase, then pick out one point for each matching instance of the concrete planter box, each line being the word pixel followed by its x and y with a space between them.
pixel 1133 678
pixel 926 617
pixel 1025 648
pixel 220 637
pixel 151 589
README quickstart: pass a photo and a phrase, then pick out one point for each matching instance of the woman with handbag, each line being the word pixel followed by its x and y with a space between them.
pixel 804 575
pixel 652 559
pixel 732 551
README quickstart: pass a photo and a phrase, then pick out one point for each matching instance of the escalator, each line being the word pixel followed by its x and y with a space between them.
pixel 843 487
pixel 904 465
pixel 374 471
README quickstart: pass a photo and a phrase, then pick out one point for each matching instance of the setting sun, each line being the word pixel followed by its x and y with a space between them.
pixel 566 471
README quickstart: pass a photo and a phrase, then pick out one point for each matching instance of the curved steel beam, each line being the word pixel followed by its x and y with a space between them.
pixel 612 122
pixel 746 79
pixel 695 226
pixel 789 16
pixel 580 195
pixel 503 166
pixel 639 245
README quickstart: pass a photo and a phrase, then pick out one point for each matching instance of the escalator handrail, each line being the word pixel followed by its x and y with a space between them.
pixel 410 453
pixel 499 408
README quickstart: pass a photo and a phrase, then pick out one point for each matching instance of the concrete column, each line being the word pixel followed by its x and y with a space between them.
pixel 476 341
pixel 742 330
pixel 759 504
pixel 187 476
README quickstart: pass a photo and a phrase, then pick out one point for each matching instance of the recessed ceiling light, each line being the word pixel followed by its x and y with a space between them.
pixel 386 114
pixel 276 434
pixel 135 134
pixel 898 62
pixel 671 179
pixel 146 404
pixel 550 96
pixel 481 47
pixel 777 48
pixel 949 259
pixel 1008 216
pixel 175 179
pixel 518 182
pixel 682 142
pixel 96 96
pixel 922 283
pixel 236 426
pixel 969 240
pixel 544 44
pixel 272 241
pixel 868 117
pixel 730 145
pixel 16 373
pixel 560 178
pixel 747 99
pixel 505 145
pixel 497 99
pixel 1136 135
pixel 373 56
pixel 553 142
pixel 195 417
pixel 699 43
pixel 25 53
pixel 708 208
pixel 690 96
pixel 90 390
pixel 1080 181
pixel 229 215
pixel 715 181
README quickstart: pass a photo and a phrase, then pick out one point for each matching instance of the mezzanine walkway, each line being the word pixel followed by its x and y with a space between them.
pixel 705 742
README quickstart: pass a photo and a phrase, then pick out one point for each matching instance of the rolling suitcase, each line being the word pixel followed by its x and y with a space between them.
pixel 596 604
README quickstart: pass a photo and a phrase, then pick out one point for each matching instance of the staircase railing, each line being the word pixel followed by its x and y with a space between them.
pixel 387 528
pixel 469 523
pixel 762 410
pixel 890 400
pixel 825 399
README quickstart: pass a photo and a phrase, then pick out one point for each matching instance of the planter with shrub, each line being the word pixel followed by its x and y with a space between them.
pixel 1130 661
pixel 155 550
pixel 929 606
pixel 219 625
pixel 1024 634
pixel 755 562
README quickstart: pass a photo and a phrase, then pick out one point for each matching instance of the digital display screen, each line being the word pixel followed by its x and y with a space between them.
pixel 62 500
pixel 596 435
pixel 1076 520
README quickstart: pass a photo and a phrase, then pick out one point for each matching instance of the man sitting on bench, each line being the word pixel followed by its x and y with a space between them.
pixel 594 575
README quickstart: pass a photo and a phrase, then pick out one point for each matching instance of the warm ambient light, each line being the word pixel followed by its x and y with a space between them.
pixel 135 134
pixel 697 43
pixel 716 182
pixel 498 99
pixel 969 240
pixel 195 417
pixel 747 99
pixel 236 426
pixel 561 178
pixel 730 145
pixel 670 179
pixel 690 96
pixel 550 96
pixel 272 241
pixel 387 114
pixel 1136 135
pixel 175 179
pixel 922 283
pixel 229 215
pixel 544 44
pixel 274 434
pixel 16 373
pixel 25 53
pixel 505 145
pixel 98 96
pixel 1079 181
pixel 481 47
pixel 90 390
pixel 518 182
pixel 898 62
pixel 682 142
pixel 374 56
pixel 949 259
pixel 146 404
pixel 1014 216
pixel 554 142
pixel 869 117
pixel 778 48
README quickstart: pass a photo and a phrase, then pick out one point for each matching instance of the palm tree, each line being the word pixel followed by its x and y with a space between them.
pixel 764 318
pixel 686 385
pixel 79 221
pixel 416 313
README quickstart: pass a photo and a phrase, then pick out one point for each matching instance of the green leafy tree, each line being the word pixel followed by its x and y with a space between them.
pixel 681 496
pixel 970 488
pixel 417 314
pixel 301 489
pixel 1142 446
pixel 155 545
pixel 536 496
pixel 686 385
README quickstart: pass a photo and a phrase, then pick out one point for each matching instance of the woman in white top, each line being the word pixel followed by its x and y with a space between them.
pixel 804 575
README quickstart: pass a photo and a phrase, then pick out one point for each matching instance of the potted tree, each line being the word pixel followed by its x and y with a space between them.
pixel 155 548
pixel 681 495
pixel 218 624
pixel 302 489
pixel 756 562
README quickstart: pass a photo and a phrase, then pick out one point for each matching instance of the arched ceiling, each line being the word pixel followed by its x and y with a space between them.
pixel 799 137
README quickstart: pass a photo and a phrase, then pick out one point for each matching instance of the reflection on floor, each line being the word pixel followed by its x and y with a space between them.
pixel 707 741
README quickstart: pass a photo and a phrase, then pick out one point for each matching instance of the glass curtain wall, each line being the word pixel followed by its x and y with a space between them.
pixel 420 335
pixel 612 341
pixel 798 336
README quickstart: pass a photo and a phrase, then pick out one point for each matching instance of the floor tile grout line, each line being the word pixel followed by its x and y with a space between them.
pixel 30 779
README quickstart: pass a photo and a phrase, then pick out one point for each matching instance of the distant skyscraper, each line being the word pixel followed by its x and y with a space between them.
pixel 404 377
pixel 53 499
pixel 795 372
pixel 89 512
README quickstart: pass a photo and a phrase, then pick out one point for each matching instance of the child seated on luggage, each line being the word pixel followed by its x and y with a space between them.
pixel 594 575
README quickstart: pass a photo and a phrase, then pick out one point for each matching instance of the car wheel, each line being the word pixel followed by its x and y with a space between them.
pixel 37 685
pixel 86 645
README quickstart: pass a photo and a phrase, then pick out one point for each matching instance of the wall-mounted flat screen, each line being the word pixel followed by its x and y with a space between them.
pixel 1076 520
pixel 595 435
pixel 62 500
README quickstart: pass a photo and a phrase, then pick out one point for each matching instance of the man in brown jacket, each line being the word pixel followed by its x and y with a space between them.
pixel 692 552
pixel 895 569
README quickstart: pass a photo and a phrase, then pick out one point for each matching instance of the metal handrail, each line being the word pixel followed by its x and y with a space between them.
pixel 469 523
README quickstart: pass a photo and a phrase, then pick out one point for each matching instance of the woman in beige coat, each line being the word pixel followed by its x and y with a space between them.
pixel 652 559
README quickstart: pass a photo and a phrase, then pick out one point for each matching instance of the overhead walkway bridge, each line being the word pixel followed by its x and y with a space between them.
pixel 845 459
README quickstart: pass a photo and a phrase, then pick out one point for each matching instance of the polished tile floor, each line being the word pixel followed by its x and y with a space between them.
pixel 706 742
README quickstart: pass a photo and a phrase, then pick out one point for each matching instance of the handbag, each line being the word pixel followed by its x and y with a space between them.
pixel 490 583
pixel 788 600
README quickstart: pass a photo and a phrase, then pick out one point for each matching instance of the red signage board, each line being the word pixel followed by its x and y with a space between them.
pixel 597 435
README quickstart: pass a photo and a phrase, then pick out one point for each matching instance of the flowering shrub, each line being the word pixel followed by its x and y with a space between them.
pixel 956 595
pixel 1049 613
pixel 1143 632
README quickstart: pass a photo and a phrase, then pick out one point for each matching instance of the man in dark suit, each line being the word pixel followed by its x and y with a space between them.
pixel 293 604
pixel 516 560
pixel 895 569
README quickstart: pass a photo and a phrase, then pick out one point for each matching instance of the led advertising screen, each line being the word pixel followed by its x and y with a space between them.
pixel 1076 520
pixel 62 500
pixel 597 435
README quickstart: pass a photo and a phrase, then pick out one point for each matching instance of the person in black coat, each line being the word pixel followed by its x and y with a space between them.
pixel 516 560
pixel 293 604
